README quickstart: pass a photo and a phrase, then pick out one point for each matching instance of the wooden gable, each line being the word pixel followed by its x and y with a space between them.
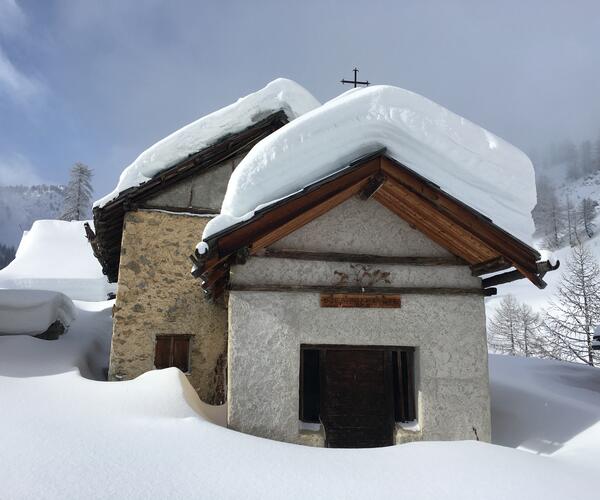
pixel 464 232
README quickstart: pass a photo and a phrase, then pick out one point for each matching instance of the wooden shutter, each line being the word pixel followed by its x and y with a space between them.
pixel 172 350
pixel 162 352
pixel 309 385
pixel 404 386
pixel 181 353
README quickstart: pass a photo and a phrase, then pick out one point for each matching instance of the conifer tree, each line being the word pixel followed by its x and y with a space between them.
pixel 78 194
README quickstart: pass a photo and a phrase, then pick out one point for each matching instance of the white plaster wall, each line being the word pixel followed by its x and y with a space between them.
pixel 276 271
pixel 359 226
pixel 266 329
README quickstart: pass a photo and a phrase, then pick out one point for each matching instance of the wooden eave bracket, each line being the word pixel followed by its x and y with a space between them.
pixel 543 267
pixel 373 186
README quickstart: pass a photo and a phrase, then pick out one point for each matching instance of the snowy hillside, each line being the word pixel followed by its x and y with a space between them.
pixel 578 189
pixel 55 255
pixel 21 205
pixel 66 436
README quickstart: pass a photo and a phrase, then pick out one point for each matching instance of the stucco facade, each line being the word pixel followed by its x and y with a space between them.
pixel 267 329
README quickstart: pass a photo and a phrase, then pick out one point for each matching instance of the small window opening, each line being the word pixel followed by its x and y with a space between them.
pixel 172 350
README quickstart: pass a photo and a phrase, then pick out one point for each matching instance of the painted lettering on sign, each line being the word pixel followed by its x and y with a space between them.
pixel 373 300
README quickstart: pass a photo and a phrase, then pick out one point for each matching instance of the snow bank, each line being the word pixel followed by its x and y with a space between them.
pixel 546 407
pixel 466 160
pixel 31 312
pixel 67 437
pixel 55 255
pixel 280 94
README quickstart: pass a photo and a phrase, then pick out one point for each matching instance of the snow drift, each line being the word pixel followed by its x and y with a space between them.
pixel 280 94
pixel 465 160
pixel 55 255
pixel 153 437
pixel 31 312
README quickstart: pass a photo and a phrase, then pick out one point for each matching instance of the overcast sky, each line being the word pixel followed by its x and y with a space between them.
pixel 100 81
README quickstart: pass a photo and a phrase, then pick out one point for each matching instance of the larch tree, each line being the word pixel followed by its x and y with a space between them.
pixel 573 314
pixel 528 323
pixel 78 194
pixel 549 215
pixel 514 329
pixel 571 222
pixel 586 215
pixel 503 327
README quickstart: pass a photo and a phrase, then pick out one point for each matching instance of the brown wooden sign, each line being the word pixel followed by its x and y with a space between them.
pixel 368 300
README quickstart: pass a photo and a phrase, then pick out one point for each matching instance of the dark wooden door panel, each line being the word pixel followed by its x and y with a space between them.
pixel 356 398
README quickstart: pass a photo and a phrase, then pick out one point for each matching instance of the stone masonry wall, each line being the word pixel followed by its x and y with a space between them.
pixel 158 295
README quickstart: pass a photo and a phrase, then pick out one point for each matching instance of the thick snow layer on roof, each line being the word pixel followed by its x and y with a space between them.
pixel 31 312
pixel 465 160
pixel 280 94
pixel 55 255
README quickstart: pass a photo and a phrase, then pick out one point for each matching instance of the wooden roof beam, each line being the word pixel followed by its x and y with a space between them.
pixel 465 216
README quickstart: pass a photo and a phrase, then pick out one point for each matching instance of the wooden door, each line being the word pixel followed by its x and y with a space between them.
pixel 357 407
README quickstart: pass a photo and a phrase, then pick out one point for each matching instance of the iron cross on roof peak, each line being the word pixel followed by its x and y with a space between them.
pixel 355 82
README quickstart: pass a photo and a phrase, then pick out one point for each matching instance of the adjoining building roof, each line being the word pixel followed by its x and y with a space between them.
pixel 108 219
pixel 201 145
pixel 469 235
pixel 279 95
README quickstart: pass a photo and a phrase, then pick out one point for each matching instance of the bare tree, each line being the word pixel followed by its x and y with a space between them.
pixel 529 331
pixel 503 327
pixel 573 314
pixel 586 215
pixel 514 329
pixel 549 215
pixel 571 219
pixel 78 194
pixel 556 222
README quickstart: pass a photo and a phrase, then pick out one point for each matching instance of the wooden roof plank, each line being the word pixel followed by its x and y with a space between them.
pixel 457 241
pixel 461 214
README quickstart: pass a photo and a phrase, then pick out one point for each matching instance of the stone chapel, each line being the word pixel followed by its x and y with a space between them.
pixel 349 313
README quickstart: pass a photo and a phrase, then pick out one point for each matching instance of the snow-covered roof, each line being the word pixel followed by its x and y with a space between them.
pixel 31 312
pixel 280 94
pixel 465 160
pixel 55 255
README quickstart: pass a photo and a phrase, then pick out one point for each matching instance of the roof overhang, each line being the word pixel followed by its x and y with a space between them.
pixel 463 231
pixel 108 220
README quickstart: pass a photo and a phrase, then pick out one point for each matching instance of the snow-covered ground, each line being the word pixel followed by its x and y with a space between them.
pixel 55 255
pixel 65 434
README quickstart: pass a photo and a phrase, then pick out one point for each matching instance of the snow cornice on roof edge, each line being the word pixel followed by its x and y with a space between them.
pixel 465 160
